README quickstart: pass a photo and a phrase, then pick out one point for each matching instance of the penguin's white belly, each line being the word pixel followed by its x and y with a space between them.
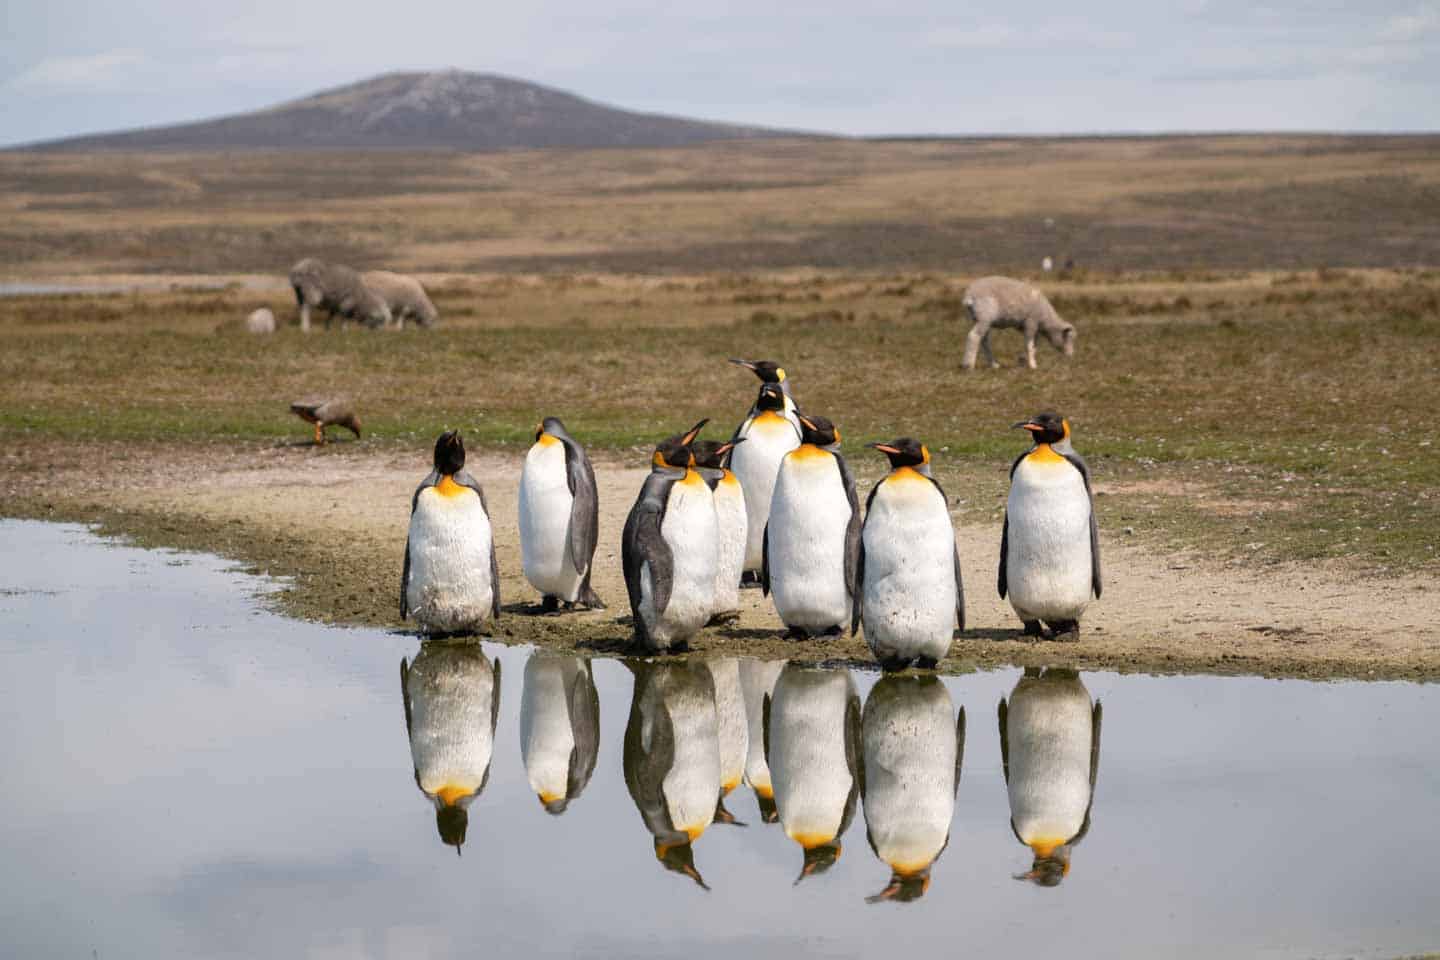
pixel 449 545
pixel 731 527
pixel 545 502
pixel 808 766
pixel 756 462
pixel 692 785
pixel 689 529
pixel 808 516
pixel 546 734
pixel 1049 740
pixel 451 741
pixel 730 718
pixel 1047 565
pixel 909 591
pixel 910 782
pixel 757 681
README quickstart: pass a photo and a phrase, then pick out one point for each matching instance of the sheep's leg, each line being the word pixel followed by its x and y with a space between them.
pixel 985 349
pixel 1030 349
pixel 319 435
pixel 304 317
pixel 973 339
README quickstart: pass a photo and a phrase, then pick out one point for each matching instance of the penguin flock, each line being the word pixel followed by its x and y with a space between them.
pixel 797 735
pixel 774 506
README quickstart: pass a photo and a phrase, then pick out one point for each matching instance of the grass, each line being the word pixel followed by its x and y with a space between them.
pixel 1269 417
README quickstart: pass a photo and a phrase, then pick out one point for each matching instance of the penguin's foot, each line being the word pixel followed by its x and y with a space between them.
pixel 796 633
pixel 588 601
pixel 834 631
pixel 1067 630
pixel 724 618
pixel 750 580
pixel 550 604
pixel 894 664
pixel 926 663
pixel 1033 628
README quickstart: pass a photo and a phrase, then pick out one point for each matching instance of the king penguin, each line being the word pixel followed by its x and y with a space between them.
pixel 670 549
pixel 911 597
pixel 813 743
pixel 913 755
pixel 812 543
pixel 733 732
pixel 1050 751
pixel 450 582
pixel 559 518
pixel 710 459
pixel 451 694
pixel 768 437
pixel 672 757
pixel 771 372
pixel 559 727
pixel 757 682
pixel 1050 546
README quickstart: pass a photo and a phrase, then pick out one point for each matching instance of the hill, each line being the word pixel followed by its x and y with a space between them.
pixel 451 109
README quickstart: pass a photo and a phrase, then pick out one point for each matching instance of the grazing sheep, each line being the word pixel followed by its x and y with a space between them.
pixel 403 295
pixel 339 291
pixel 325 411
pixel 260 321
pixel 1002 302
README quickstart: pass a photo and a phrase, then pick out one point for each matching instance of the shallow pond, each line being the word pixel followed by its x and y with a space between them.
pixel 189 775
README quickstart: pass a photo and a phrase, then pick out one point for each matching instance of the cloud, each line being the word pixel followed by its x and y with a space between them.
pixel 93 72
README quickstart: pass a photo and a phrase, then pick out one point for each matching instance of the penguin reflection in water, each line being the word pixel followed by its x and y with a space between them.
pixel 734 733
pixel 1050 547
pixel 1050 750
pixel 813 744
pixel 913 754
pixel 670 549
pixel 731 525
pixel 559 727
pixel 450 581
pixel 672 757
pixel 559 518
pixel 757 683
pixel 812 543
pixel 451 693
pixel 911 598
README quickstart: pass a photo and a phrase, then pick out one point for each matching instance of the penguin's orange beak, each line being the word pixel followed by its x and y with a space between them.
pixel 1027 425
pixel 694 432
pixel 883 447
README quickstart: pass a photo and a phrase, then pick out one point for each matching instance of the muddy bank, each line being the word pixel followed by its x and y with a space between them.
pixel 332 523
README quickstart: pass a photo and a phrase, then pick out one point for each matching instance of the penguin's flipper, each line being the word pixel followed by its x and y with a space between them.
pixel 1078 462
pixel 405 584
pixel 959 589
pixel 852 528
pixel 765 726
pixel 1095 715
pixel 857 597
pixel 494 696
pixel 1001 581
pixel 585 727
pixel 854 758
pixel 765 562
pixel 643 544
pixel 1004 712
pixel 959 747
pixel 584 508
pixel 405 692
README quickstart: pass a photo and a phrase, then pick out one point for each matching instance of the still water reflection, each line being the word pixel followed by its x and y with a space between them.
pixel 189 776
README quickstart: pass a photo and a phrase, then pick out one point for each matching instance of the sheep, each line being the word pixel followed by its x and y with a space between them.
pixel 1002 302
pixel 403 295
pixel 339 290
pixel 260 321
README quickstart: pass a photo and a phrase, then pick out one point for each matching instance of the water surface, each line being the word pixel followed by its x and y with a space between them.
pixel 189 775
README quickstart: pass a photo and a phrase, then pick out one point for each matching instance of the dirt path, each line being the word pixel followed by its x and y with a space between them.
pixel 334 521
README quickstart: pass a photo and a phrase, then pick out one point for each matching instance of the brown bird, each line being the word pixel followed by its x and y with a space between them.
pixel 325 412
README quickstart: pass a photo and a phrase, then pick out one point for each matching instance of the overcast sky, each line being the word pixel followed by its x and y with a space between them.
pixel 845 66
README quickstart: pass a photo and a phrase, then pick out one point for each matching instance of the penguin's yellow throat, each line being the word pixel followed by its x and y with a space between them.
pixel 449 795
pixel 447 487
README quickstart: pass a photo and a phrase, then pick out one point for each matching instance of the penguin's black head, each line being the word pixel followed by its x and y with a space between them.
pixel 903 888
pixel 771 397
pixel 767 370
pixel 555 807
pixel 769 813
pixel 819 431
pixel 1048 871
pixel 1047 427
pixel 904 452
pixel 711 453
pixel 818 859
pixel 451 821
pixel 680 858
pixel 550 425
pixel 449 453
pixel 675 451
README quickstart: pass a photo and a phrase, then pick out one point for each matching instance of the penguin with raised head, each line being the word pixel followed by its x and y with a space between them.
pixel 672 757
pixel 450 581
pixel 913 755
pixel 733 731
pixel 559 518
pixel 813 744
pixel 1050 751
pixel 451 693
pixel 911 597
pixel 771 372
pixel 1050 546
pixel 811 546
pixel 757 682
pixel 768 437
pixel 670 549
pixel 710 460
pixel 559 727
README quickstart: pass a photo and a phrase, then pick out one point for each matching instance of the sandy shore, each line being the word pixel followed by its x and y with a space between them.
pixel 333 520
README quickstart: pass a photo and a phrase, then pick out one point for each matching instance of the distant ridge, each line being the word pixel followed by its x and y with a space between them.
pixel 452 109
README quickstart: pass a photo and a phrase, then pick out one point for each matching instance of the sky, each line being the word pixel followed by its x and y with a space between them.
pixel 842 66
